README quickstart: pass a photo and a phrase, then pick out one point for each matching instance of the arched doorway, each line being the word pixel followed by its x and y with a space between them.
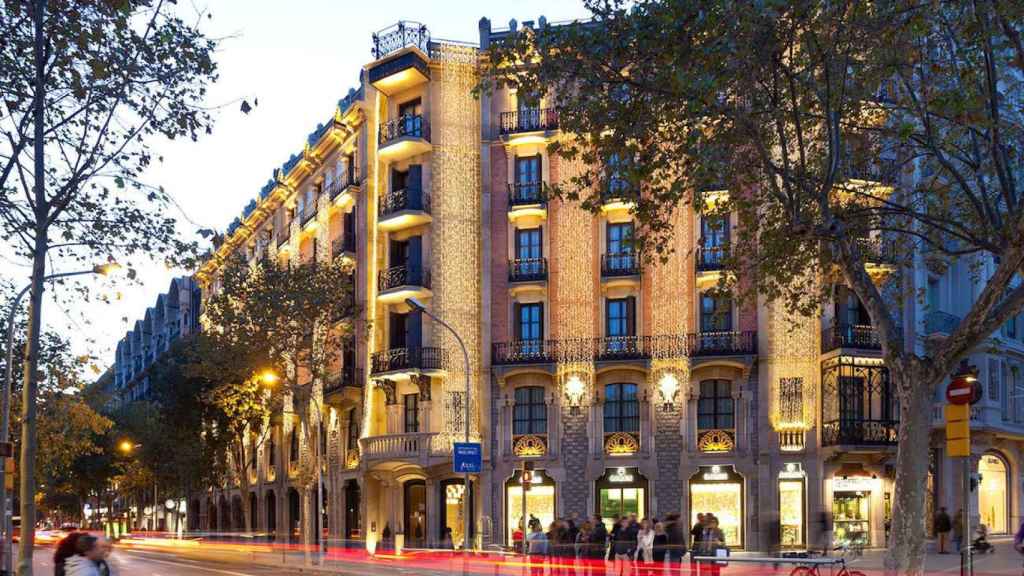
pixel 294 515
pixel 253 512
pixel 211 514
pixel 237 516
pixel 993 492
pixel 352 502
pixel 414 494
pixel 271 505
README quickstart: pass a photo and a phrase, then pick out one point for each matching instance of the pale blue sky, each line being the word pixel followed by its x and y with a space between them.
pixel 298 58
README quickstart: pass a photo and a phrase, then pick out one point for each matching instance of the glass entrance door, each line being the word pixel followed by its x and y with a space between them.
pixel 791 513
pixel 850 517
pixel 415 513
pixel 618 502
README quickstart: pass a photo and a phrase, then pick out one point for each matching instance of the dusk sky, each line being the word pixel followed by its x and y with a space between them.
pixel 298 59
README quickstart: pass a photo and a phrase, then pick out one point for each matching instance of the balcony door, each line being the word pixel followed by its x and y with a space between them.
pixel 528 177
pixel 529 251
pixel 851 401
pixel 714 232
pixel 715 313
pixel 411 413
pixel 405 330
pixel 620 323
pixel 529 327
pixel 411 114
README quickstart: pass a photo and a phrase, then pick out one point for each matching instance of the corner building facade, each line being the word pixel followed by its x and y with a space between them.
pixel 629 386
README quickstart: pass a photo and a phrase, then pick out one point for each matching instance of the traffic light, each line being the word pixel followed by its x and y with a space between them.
pixel 958 430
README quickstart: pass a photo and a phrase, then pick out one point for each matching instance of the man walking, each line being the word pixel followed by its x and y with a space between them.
pixel 942 525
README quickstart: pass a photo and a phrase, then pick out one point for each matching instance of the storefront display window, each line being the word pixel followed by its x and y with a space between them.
pixel 719 490
pixel 622 491
pixel 992 493
pixel 540 502
pixel 850 517
pixel 792 514
pixel 452 509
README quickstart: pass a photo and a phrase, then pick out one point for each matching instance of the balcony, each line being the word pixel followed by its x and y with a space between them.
pixel 403 137
pixel 342 193
pixel 402 209
pixel 417 447
pixel 527 270
pixel 307 221
pixel 526 194
pixel 400 53
pixel 723 343
pixel 711 258
pixel 860 432
pixel 419 359
pixel 524 352
pixel 617 197
pixel 619 264
pixel 334 389
pixel 938 323
pixel 876 170
pixel 397 283
pixel 528 120
pixel 613 348
pixel 862 337
pixel 344 247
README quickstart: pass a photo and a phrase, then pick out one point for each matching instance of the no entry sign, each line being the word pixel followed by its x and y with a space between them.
pixel 960 391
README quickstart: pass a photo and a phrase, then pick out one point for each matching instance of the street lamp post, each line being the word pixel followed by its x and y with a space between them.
pixel 418 306
pixel 5 419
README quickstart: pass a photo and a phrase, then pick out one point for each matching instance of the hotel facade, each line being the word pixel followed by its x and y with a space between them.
pixel 628 386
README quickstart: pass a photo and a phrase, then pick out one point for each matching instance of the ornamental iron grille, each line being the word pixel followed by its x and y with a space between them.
pixel 398 36
pixel 859 405
pixel 529 120
pixel 529 446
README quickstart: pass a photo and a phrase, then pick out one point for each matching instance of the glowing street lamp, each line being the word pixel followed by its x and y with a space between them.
pixel 269 378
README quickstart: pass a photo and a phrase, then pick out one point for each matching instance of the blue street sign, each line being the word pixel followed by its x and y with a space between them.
pixel 468 458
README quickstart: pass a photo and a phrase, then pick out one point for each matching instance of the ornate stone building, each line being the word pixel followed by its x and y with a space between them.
pixel 629 386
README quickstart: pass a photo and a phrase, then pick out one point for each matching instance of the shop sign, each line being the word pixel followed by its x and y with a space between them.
pixel 620 476
pixel 715 474
pixel 792 471
pixel 855 484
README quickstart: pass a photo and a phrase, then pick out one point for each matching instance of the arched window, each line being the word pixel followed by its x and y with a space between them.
pixel 621 408
pixel 715 408
pixel 530 415
pixel 993 492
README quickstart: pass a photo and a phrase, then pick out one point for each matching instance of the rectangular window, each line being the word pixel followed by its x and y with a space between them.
pixel 715 406
pixel 620 238
pixel 715 313
pixel 528 170
pixel 934 297
pixel 851 399
pixel 530 321
pixel 398 330
pixel 529 244
pixel 399 179
pixel 353 430
pixel 714 231
pixel 621 408
pixel 620 317
pixel 411 404
pixel 530 412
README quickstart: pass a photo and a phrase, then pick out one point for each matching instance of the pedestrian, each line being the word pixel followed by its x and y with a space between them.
pixel 517 538
pixel 697 532
pixel 958 530
pixel 582 542
pixel 537 544
pixel 623 544
pixel 1018 539
pixel 711 541
pixel 660 548
pixel 942 525
pixel 447 542
pixel 598 539
pixel 106 547
pixel 85 562
pixel 65 549
pixel 645 543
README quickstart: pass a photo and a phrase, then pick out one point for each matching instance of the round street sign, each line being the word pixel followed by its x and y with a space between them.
pixel 960 391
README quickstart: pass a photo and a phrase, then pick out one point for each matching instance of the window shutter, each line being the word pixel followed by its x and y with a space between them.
pixel 415 258
pixel 541 308
pixel 517 321
pixel 414 186
pixel 414 329
pixel 631 316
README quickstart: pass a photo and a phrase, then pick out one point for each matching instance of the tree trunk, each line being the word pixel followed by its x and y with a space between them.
pixel 242 467
pixel 31 363
pixel 907 536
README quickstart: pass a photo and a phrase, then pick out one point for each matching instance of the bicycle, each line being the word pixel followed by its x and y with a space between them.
pixel 845 553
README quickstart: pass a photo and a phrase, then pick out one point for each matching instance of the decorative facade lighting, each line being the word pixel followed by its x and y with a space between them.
pixel 574 391
pixel 668 389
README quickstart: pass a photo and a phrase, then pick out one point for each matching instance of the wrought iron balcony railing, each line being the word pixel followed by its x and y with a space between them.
pixel 527 269
pixel 620 264
pixel 862 432
pixel 415 358
pixel 408 126
pixel 723 343
pixel 402 275
pixel 526 193
pixel 859 336
pixel 624 347
pixel 339 186
pixel 938 322
pixel 529 120
pixel 711 258
pixel 618 191
pixel 398 36
pixel 404 199
pixel 308 214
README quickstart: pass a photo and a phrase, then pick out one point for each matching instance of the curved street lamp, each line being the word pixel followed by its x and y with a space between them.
pixel 5 419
